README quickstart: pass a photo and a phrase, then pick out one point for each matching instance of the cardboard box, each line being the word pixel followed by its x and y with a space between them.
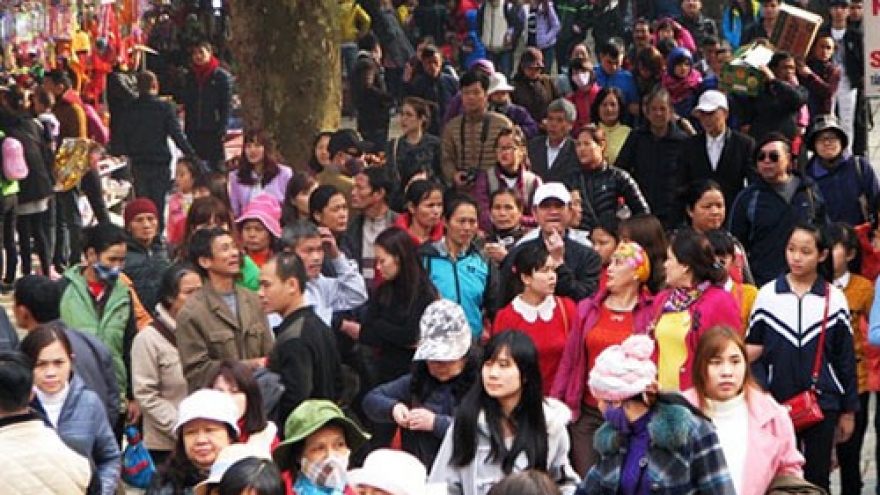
pixel 795 30
pixel 742 74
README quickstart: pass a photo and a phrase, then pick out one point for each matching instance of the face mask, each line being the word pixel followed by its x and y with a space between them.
pixel 106 273
pixel 617 418
pixel 329 472
pixel 582 79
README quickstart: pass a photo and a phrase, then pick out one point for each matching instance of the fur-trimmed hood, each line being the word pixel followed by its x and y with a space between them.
pixel 669 429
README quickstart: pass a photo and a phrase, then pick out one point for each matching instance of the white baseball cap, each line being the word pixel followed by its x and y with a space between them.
pixel 710 101
pixel 498 82
pixel 207 404
pixel 392 471
pixel 445 332
pixel 552 190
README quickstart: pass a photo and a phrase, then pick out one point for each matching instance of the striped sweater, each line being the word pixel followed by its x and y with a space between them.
pixel 787 328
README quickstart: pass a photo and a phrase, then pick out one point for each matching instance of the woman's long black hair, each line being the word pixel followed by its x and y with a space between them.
pixel 527 419
pixel 411 280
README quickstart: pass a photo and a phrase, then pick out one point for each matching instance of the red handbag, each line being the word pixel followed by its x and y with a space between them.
pixel 804 408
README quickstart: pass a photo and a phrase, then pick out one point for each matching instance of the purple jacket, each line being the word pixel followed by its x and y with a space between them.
pixel 547 29
pixel 240 194
pixel 571 378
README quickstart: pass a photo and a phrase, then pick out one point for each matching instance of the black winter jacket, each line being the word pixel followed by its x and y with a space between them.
pixel 37 153
pixel 207 108
pixel 775 109
pixel 601 191
pixel 653 163
pixel 144 267
pixel 761 219
pixel 148 124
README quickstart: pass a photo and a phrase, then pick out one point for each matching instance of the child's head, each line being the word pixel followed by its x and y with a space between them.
pixel 845 250
pixel 807 253
pixel 679 63
pixel 185 175
pixel 605 237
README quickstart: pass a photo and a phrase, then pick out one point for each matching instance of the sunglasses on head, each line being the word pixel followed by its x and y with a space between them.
pixel 772 156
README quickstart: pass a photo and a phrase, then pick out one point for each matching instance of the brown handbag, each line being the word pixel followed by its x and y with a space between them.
pixel 804 408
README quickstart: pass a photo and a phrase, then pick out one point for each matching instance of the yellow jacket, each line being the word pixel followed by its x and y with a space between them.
pixel 354 22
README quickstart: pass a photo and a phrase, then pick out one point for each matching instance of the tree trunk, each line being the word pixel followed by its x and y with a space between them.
pixel 289 76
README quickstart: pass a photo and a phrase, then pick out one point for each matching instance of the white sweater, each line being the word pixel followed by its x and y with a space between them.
pixel 731 419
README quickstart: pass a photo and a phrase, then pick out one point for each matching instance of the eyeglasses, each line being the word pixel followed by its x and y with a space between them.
pixel 772 156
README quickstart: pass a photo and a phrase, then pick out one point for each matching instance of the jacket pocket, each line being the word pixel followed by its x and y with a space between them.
pixel 222 345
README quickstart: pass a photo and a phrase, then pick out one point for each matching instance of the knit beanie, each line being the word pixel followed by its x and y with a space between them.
pixel 137 207
pixel 267 210
pixel 634 256
pixel 624 371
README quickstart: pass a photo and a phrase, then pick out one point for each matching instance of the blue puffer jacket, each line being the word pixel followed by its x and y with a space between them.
pixel 469 280
pixel 843 184
pixel 84 428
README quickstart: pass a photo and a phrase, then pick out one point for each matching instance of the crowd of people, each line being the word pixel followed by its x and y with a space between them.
pixel 565 274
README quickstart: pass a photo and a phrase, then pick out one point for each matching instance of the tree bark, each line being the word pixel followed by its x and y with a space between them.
pixel 289 76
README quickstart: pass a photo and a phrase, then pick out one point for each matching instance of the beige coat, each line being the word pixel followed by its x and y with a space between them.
pixel 208 333
pixel 35 460
pixel 158 382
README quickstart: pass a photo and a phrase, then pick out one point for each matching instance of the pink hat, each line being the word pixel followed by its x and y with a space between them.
pixel 624 371
pixel 267 210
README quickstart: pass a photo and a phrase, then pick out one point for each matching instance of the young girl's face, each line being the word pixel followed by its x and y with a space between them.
pixel 501 377
pixel 255 236
pixel 322 153
pixel 665 33
pixel 682 69
pixel 726 373
pixel 802 254
pixel 604 243
pixel 254 151
pixel 542 281
pixel 840 259
pixel 183 179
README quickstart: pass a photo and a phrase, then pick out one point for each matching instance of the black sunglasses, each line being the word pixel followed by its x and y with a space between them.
pixel 773 156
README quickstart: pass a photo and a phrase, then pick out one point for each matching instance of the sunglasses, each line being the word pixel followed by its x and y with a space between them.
pixel 772 156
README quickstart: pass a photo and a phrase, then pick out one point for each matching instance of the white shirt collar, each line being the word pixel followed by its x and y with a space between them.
pixel 843 281
pixel 532 313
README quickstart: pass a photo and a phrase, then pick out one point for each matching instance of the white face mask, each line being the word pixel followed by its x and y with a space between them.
pixel 330 472
pixel 582 79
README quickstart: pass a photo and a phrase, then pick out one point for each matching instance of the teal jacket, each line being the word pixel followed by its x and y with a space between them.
pixel 470 280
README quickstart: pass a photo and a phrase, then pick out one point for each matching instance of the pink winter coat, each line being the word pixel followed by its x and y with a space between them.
pixel 571 377
pixel 771 440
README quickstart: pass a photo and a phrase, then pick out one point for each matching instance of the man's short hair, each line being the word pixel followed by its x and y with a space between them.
pixel 475 76
pixel 201 244
pixel 428 51
pixel 289 265
pixel 564 106
pixel 146 81
pixel 368 42
pixel 102 237
pixel 296 232
pixel 611 48
pixel 379 179
pixel 40 295
pixel 16 381
pixel 773 137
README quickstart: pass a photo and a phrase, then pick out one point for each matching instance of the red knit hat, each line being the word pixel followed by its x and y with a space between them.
pixel 137 207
